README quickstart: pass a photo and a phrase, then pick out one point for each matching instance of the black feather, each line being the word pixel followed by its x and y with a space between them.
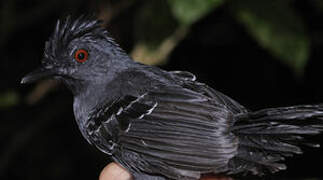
pixel 85 27
pixel 267 136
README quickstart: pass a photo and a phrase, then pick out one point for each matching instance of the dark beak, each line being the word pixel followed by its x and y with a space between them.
pixel 40 73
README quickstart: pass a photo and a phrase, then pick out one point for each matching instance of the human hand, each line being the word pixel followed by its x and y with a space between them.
pixel 114 171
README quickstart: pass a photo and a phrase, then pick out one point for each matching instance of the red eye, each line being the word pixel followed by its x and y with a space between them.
pixel 81 55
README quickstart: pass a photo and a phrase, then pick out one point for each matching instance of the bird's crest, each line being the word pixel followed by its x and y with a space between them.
pixel 86 27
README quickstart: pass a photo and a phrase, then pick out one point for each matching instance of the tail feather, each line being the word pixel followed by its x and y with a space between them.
pixel 267 136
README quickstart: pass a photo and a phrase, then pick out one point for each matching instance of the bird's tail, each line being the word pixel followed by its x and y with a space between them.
pixel 267 136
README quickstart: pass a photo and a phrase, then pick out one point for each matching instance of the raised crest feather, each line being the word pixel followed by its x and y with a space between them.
pixel 75 28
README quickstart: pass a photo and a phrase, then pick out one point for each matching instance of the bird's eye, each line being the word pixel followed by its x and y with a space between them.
pixel 81 55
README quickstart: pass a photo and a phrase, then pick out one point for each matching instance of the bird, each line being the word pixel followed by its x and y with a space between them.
pixel 160 124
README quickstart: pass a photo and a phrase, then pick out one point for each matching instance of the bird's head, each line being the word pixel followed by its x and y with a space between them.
pixel 80 52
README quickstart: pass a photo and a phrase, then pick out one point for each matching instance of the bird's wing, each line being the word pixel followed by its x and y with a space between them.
pixel 188 81
pixel 177 131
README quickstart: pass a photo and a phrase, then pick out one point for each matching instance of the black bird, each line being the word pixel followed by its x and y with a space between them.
pixel 164 124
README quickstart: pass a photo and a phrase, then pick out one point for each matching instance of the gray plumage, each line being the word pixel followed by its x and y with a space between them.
pixel 166 125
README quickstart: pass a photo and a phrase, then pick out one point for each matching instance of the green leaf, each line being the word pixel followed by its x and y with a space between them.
pixel 8 99
pixel 276 27
pixel 189 11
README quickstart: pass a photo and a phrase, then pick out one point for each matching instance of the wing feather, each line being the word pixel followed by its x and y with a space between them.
pixel 188 80
pixel 186 130
pixel 175 131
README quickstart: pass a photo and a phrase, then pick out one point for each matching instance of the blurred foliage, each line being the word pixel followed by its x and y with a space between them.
pixel 166 25
pixel 188 12
pixel 276 27
pixel 274 24
pixel 9 99
pixel 160 26
pixel 158 21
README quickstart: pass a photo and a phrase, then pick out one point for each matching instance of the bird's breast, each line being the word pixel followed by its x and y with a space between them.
pixel 81 114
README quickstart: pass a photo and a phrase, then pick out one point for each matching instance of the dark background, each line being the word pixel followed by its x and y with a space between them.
pixel 39 138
